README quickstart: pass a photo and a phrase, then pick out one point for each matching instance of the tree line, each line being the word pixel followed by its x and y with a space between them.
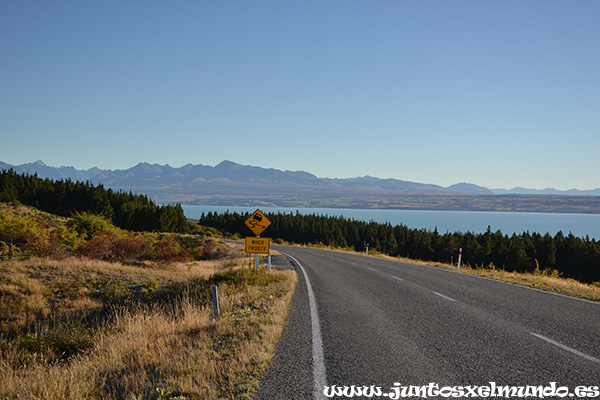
pixel 569 256
pixel 65 197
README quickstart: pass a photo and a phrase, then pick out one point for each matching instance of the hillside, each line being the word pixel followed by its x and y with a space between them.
pixel 232 184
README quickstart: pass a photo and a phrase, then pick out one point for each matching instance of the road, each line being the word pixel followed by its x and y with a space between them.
pixel 358 320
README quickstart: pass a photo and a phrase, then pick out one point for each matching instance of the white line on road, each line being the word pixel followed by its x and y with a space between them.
pixel 319 376
pixel 445 297
pixel 372 269
pixel 395 277
pixel 567 348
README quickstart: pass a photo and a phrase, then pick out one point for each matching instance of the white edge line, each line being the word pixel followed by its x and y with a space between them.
pixel 395 277
pixel 445 297
pixel 319 375
pixel 567 348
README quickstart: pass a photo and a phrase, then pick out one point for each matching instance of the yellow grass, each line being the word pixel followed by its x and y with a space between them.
pixel 156 348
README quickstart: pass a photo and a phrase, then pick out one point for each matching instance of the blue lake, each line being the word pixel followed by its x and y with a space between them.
pixel 581 225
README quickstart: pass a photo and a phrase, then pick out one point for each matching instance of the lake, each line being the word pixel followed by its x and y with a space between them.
pixel 445 221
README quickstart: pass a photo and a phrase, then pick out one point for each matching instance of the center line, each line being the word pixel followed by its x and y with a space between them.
pixel 319 376
pixel 445 297
pixel 567 348
pixel 395 277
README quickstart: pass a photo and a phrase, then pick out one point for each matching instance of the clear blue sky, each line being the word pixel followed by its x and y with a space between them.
pixel 496 93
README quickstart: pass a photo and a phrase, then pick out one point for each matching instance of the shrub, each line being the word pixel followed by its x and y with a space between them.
pixel 131 249
pixel 44 244
pixel 17 228
pixel 88 224
pixel 100 246
pixel 169 250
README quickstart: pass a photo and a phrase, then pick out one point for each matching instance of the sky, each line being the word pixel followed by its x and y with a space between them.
pixel 495 93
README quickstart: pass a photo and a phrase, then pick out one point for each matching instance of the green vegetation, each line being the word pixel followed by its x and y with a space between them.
pixel 125 210
pixel 569 256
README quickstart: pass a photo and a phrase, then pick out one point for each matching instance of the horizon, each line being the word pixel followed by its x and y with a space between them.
pixel 309 172
pixel 497 94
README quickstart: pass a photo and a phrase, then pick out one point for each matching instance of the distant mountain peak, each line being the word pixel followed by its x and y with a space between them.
pixel 470 188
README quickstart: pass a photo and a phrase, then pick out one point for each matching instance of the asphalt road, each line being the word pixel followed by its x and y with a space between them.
pixel 382 322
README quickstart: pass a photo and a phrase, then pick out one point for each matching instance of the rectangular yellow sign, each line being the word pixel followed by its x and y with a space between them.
pixel 258 245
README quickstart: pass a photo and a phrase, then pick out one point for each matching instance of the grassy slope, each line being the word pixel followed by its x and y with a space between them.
pixel 89 329
pixel 78 328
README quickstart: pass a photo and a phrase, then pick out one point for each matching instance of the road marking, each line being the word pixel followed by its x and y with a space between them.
pixel 567 348
pixel 319 376
pixel 372 269
pixel 445 297
pixel 395 277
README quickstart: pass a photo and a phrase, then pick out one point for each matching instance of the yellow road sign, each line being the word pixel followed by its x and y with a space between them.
pixel 258 245
pixel 257 222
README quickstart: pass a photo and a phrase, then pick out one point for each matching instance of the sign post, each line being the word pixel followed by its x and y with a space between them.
pixel 258 222
pixel 459 257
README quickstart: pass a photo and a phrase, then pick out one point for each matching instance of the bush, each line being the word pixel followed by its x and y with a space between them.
pixel 44 244
pixel 131 249
pixel 88 224
pixel 99 247
pixel 169 250
pixel 17 228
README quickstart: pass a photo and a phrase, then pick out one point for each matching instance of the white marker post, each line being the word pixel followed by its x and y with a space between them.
pixel 367 252
pixel 459 257
pixel 215 296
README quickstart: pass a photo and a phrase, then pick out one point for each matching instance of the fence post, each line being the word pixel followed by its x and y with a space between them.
pixel 215 296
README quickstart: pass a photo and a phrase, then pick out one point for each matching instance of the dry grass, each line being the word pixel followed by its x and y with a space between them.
pixel 84 329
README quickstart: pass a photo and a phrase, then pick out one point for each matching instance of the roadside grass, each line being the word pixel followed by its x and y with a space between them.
pixel 78 328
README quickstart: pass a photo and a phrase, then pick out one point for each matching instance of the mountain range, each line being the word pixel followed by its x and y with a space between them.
pixel 229 183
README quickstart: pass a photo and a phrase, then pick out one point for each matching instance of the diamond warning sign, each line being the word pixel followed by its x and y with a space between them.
pixel 257 222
